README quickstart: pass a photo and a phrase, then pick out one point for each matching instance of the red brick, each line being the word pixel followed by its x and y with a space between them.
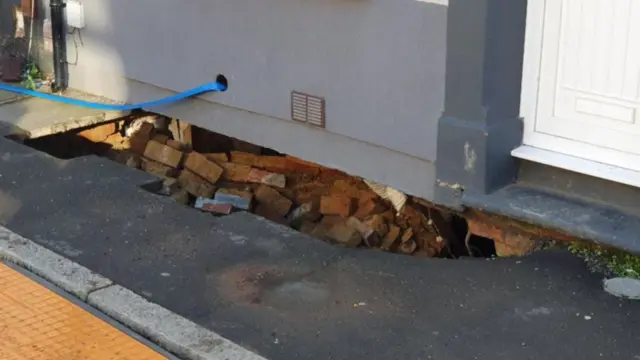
pixel 336 205
pixel 195 185
pixel 264 177
pixel 203 167
pixel 209 205
pixel 235 172
pixel 408 247
pixel 515 244
pixel 378 224
pixel 367 208
pixel 163 154
pixel 99 133
pixel 330 220
pixel 407 236
pixel 272 199
pixel 217 157
pixel 239 157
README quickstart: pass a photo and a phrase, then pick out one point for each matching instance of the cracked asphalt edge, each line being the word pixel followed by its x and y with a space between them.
pixel 166 329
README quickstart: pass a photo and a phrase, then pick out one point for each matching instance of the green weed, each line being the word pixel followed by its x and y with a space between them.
pixel 613 262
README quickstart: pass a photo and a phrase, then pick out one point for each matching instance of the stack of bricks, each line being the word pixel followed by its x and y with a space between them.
pixel 315 200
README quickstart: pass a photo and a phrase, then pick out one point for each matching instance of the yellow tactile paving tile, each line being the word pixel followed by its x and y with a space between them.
pixel 36 323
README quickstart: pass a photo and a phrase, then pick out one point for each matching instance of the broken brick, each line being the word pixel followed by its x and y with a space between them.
pixel 139 139
pixel 156 168
pixel 239 157
pixel 238 199
pixel 272 199
pixel 269 213
pixel 345 235
pixel 175 144
pixel 260 176
pixel 304 213
pixel 99 133
pixel 203 167
pixel 389 241
pixel 163 154
pixel 370 237
pixel 210 205
pixel 378 224
pixel 336 204
pixel 195 185
pixel 367 208
pixel 235 172
pixel 217 157
pixel 515 244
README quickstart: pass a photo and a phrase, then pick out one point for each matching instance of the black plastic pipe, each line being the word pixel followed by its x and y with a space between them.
pixel 59 45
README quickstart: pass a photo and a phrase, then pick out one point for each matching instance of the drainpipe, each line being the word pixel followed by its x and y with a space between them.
pixel 59 45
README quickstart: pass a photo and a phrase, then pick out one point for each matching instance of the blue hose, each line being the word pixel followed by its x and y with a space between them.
pixel 213 86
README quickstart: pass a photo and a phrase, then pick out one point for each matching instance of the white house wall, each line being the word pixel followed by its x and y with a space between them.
pixel 380 65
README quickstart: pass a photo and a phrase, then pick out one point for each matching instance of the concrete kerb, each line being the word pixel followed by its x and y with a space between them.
pixel 163 327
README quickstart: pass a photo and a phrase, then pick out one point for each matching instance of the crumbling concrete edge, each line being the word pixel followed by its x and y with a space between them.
pixel 166 329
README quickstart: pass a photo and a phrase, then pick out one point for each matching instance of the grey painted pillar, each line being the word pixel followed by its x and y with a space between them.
pixel 480 124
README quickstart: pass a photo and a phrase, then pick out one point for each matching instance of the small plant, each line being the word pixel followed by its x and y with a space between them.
pixel 612 262
pixel 31 75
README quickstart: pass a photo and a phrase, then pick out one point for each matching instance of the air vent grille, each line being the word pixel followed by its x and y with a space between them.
pixel 307 109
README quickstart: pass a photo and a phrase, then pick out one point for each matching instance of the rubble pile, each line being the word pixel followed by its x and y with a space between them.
pixel 319 201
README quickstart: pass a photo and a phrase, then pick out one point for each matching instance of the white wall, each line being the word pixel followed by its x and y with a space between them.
pixel 380 64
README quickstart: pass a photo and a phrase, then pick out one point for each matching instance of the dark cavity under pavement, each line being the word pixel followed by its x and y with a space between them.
pixel 287 296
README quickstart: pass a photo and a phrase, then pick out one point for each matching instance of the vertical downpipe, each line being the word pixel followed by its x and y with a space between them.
pixel 59 45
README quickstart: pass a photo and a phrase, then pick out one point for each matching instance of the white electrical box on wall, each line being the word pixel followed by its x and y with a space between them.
pixel 75 14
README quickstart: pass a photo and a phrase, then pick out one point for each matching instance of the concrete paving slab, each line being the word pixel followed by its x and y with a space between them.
pixel 287 296
pixel 37 117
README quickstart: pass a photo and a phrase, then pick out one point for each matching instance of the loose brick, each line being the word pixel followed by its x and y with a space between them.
pixel 235 172
pixel 390 240
pixel 515 244
pixel 407 235
pixel 243 158
pixel 264 177
pixel 140 138
pixel 156 168
pixel 330 220
pixel 336 205
pixel 378 224
pixel 163 154
pixel 175 144
pixel 408 247
pixel 272 199
pixel 367 208
pixel 161 138
pixel 210 205
pixel 238 199
pixel 195 185
pixel 99 133
pixel 302 166
pixel 203 167
pixel 370 237
pixel 345 235
pixel 269 213
pixel 307 212
pixel 217 157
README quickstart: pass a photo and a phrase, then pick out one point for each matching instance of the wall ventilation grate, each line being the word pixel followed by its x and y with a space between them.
pixel 307 109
